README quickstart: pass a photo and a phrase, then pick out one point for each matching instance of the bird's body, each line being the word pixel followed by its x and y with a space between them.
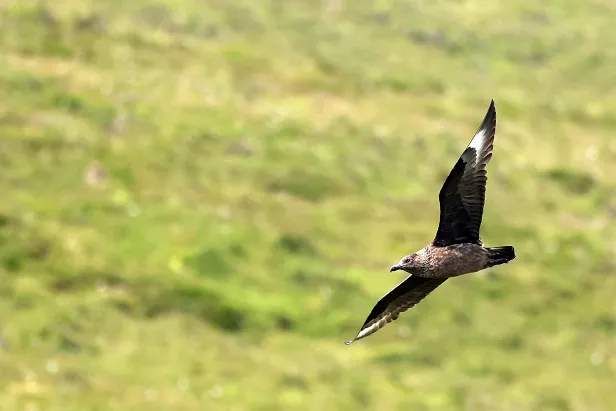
pixel 457 248
pixel 454 260
pixel 450 261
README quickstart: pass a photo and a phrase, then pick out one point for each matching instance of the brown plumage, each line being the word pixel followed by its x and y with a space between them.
pixel 457 248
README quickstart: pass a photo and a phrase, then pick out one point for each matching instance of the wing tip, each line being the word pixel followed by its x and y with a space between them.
pixel 487 129
pixel 492 107
pixel 360 335
pixel 491 114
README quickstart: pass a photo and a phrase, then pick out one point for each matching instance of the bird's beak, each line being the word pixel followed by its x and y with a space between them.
pixel 395 268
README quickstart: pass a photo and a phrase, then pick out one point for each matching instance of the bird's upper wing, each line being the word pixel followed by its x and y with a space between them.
pixel 463 194
pixel 404 296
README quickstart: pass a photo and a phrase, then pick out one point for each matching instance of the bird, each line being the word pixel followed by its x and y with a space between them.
pixel 457 248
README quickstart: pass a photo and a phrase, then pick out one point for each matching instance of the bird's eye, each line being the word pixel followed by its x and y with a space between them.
pixel 406 260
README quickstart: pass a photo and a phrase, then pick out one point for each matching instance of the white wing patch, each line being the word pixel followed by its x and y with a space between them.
pixel 479 140
pixel 483 139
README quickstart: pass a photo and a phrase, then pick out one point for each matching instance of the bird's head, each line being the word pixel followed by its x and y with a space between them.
pixel 406 264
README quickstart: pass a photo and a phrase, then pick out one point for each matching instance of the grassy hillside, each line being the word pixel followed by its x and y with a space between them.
pixel 201 201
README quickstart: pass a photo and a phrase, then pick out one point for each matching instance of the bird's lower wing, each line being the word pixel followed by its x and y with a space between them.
pixel 403 297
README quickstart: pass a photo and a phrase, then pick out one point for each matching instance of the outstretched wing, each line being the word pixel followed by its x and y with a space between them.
pixel 463 195
pixel 404 296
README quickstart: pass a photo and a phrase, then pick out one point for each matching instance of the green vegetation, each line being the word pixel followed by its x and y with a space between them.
pixel 201 201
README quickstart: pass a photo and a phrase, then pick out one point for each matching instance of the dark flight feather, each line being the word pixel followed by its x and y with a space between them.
pixel 462 196
pixel 404 296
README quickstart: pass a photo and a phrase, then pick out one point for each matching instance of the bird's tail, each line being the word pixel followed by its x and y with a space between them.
pixel 500 255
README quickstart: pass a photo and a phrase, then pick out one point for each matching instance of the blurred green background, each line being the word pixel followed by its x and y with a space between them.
pixel 201 200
